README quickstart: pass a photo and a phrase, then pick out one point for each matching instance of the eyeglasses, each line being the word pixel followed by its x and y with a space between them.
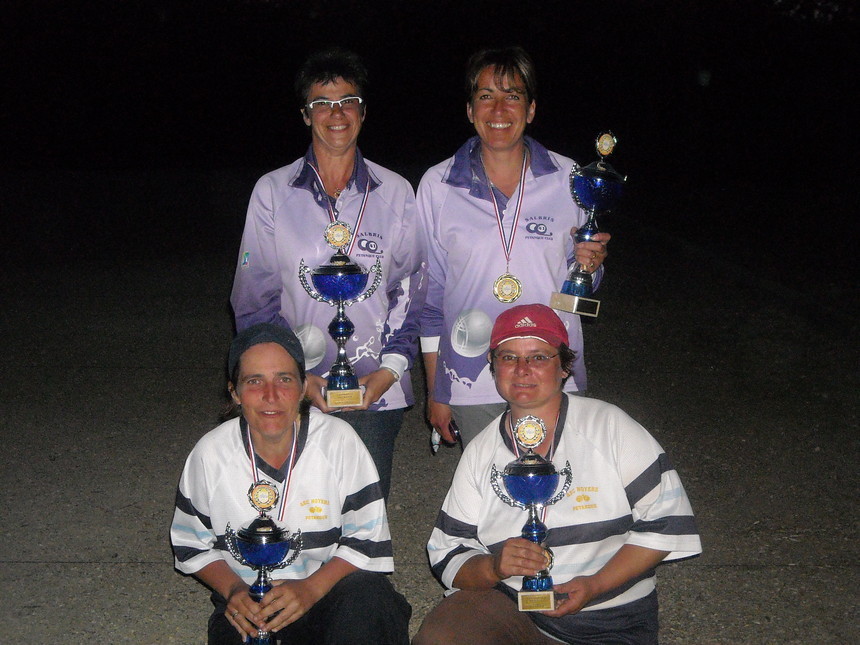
pixel 535 360
pixel 345 104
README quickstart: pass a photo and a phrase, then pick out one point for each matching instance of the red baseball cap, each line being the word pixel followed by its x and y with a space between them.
pixel 529 321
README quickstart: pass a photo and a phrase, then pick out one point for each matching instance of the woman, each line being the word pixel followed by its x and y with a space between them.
pixel 289 211
pixel 335 592
pixel 625 513
pixel 498 217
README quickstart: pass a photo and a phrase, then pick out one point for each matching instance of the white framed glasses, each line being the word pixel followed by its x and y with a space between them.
pixel 325 105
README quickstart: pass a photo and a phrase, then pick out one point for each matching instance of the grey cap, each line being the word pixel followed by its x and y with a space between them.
pixel 265 333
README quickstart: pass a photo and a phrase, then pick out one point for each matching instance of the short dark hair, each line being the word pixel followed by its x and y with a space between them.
pixel 565 355
pixel 326 66
pixel 508 61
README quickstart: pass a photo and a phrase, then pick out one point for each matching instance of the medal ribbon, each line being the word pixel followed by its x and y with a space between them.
pixel 508 244
pixel 333 215
pixel 291 460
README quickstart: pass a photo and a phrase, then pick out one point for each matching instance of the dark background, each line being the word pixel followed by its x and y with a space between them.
pixel 143 125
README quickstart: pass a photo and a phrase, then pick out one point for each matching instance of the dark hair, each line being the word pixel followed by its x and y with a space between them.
pixel 565 355
pixel 509 62
pixel 328 65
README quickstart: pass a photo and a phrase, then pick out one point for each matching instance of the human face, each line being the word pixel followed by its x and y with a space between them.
pixel 500 114
pixel 528 386
pixel 269 390
pixel 334 131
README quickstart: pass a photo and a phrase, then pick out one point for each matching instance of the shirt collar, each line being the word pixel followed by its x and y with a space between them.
pixel 361 174
pixel 468 172
pixel 559 428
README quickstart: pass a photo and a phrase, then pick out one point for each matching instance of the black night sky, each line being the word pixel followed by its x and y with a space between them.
pixel 735 120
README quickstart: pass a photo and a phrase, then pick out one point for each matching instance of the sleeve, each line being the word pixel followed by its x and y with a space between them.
pixel 662 515
pixel 454 538
pixel 191 533
pixel 407 283
pixel 256 295
pixel 429 210
pixel 365 538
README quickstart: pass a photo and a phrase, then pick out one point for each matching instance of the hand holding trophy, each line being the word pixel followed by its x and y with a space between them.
pixel 597 189
pixel 340 282
pixel 263 545
pixel 531 482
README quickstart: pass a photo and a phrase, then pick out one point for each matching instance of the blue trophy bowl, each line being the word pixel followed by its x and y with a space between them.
pixel 597 187
pixel 339 279
pixel 531 488
pixel 262 543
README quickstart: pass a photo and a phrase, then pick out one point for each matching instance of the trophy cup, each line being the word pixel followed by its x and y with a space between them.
pixel 263 545
pixel 597 189
pixel 340 282
pixel 530 482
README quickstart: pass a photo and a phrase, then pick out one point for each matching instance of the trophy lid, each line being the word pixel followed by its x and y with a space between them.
pixel 530 465
pixel 339 264
pixel 263 530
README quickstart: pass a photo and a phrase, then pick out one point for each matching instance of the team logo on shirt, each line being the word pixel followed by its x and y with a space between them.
pixel 369 245
pixel 538 228
pixel 584 497
pixel 316 508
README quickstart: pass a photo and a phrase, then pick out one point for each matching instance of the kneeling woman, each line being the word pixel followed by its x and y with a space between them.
pixel 335 591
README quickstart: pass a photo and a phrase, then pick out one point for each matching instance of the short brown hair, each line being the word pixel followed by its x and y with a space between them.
pixel 508 62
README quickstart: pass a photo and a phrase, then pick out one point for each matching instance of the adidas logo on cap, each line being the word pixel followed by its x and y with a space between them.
pixel 525 322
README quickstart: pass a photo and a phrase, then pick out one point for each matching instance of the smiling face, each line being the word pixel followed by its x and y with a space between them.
pixel 333 131
pixel 269 389
pixel 531 387
pixel 500 110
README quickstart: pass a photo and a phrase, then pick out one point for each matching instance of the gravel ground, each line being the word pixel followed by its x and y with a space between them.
pixel 750 387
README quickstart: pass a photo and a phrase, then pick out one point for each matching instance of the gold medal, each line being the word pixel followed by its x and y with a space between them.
pixel 605 144
pixel 529 432
pixel 338 235
pixel 263 495
pixel 507 288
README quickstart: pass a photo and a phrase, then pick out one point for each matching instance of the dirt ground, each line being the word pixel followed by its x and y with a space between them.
pixel 113 368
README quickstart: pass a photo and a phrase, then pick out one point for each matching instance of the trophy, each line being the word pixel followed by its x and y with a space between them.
pixel 340 282
pixel 263 545
pixel 530 482
pixel 597 189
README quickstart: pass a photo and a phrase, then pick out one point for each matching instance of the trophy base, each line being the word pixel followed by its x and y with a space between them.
pixel 536 600
pixel 344 398
pixel 574 304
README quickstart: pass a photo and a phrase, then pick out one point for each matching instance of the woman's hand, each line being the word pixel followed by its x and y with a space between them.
pixel 591 255
pixel 314 391
pixel 375 385
pixel 519 557
pixel 241 610
pixel 439 416
pixel 288 601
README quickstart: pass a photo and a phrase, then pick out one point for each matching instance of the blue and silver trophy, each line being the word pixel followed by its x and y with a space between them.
pixel 263 545
pixel 596 189
pixel 340 282
pixel 531 482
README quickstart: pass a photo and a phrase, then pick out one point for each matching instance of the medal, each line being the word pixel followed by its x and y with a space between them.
pixel 263 495
pixel 507 288
pixel 337 235
pixel 529 432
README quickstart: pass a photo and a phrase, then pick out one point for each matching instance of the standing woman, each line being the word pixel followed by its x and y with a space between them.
pixel 499 219
pixel 288 214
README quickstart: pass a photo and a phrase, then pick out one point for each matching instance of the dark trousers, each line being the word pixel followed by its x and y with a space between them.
pixel 377 430
pixel 362 609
